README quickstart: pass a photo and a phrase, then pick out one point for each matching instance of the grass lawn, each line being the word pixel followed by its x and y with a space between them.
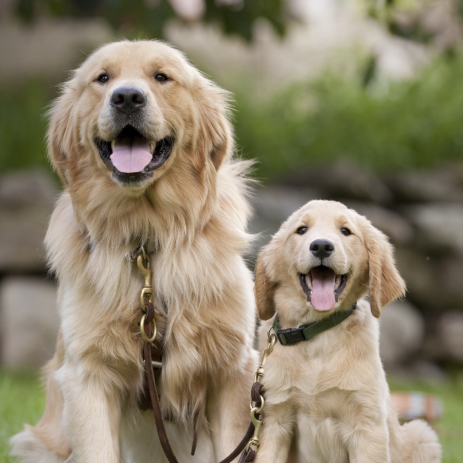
pixel 22 400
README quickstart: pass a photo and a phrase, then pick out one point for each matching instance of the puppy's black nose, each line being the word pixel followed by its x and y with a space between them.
pixel 128 99
pixel 321 248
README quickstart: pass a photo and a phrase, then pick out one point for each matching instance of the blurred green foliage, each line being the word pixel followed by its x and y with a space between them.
pixel 138 18
pixel 22 125
pixel 383 126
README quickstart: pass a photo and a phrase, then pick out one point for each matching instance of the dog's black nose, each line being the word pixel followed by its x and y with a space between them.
pixel 128 99
pixel 321 248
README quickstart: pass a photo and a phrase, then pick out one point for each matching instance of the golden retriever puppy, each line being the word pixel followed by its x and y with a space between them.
pixel 143 144
pixel 327 399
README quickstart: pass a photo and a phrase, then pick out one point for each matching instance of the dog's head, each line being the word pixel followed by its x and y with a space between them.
pixel 131 111
pixel 324 258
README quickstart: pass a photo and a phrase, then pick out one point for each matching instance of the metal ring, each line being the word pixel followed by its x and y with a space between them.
pixel 255 442
pixel 258 409
pixel 142 330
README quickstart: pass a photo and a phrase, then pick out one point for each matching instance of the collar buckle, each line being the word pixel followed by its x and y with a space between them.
pixel 291 336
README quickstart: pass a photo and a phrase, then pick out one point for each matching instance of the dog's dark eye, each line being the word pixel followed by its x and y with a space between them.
pixel 301 230
pixel 103 78
pixel 161 77
pixel 345 231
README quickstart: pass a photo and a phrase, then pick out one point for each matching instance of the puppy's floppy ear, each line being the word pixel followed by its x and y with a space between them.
pixel 264 289
pixel 60 136
pixel 386 284
pixel 215 141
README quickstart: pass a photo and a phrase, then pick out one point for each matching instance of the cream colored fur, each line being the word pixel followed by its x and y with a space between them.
pixel 327 399
pixel 194 213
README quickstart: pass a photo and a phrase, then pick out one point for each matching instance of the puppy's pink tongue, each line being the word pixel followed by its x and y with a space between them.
pixel 323 281
pixel 131 155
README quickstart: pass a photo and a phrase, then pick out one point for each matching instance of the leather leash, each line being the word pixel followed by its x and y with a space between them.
pixel 249 445
pixel 248 453
pixel 148 331
pixel 158 418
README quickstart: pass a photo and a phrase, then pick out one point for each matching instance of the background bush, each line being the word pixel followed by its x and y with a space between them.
pixel 381 126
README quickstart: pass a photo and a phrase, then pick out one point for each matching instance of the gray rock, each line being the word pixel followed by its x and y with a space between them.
pixel 341 180
pixel 28 321
pixel 272 206
pixel 450 332
pixel 401 332
pixel 444 184
pixel 439 226
pixel 394 225
pixel 277 203
pixel 26 203
pixel 433 282
pixel 419 370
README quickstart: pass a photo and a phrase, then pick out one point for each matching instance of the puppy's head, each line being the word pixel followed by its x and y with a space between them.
pixel 324 258
pixel 132 111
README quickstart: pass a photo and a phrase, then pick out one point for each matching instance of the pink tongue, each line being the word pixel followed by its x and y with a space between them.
pixel 131 155
pixel 323 281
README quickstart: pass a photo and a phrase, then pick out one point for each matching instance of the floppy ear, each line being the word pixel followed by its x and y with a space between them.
pixel 386 284
pixel 216 135
pixel 60 136
pixel 264 290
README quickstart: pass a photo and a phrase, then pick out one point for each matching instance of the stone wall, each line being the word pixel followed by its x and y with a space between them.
pixel 422 212
pixel 28 315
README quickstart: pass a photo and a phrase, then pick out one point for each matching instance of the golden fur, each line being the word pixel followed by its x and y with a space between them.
pixel 327 399
pixel 193 212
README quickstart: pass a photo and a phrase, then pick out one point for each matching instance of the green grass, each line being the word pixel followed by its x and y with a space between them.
pixel 450 427
pixel 22 400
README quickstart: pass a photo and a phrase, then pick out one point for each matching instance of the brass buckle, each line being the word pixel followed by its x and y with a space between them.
pixel 146 294
pixel 142 330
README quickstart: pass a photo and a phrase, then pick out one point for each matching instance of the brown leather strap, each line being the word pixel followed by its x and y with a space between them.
pixel 151 400
pixel 156 407
pixel 256 391
pixel 250 455
pixel 240 447
pixel 153 393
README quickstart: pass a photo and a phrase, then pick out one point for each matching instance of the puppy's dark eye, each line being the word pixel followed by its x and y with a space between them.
pixel 103 78
pixel 345 231
pixel 301 230
pixel 161 77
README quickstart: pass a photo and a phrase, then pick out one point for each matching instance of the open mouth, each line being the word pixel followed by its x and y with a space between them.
pixel 323 287
pixel 132 157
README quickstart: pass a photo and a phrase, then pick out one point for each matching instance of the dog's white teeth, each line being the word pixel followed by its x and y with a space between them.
pixel 152 146
pixel 113 143
pixel 338 281
pixel 308 282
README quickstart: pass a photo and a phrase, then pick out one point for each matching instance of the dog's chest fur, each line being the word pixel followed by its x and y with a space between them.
pixel 99 296
pixel 315 383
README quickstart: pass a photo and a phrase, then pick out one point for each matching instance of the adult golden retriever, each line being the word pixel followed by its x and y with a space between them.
pixel 327 399
pixel 143 145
